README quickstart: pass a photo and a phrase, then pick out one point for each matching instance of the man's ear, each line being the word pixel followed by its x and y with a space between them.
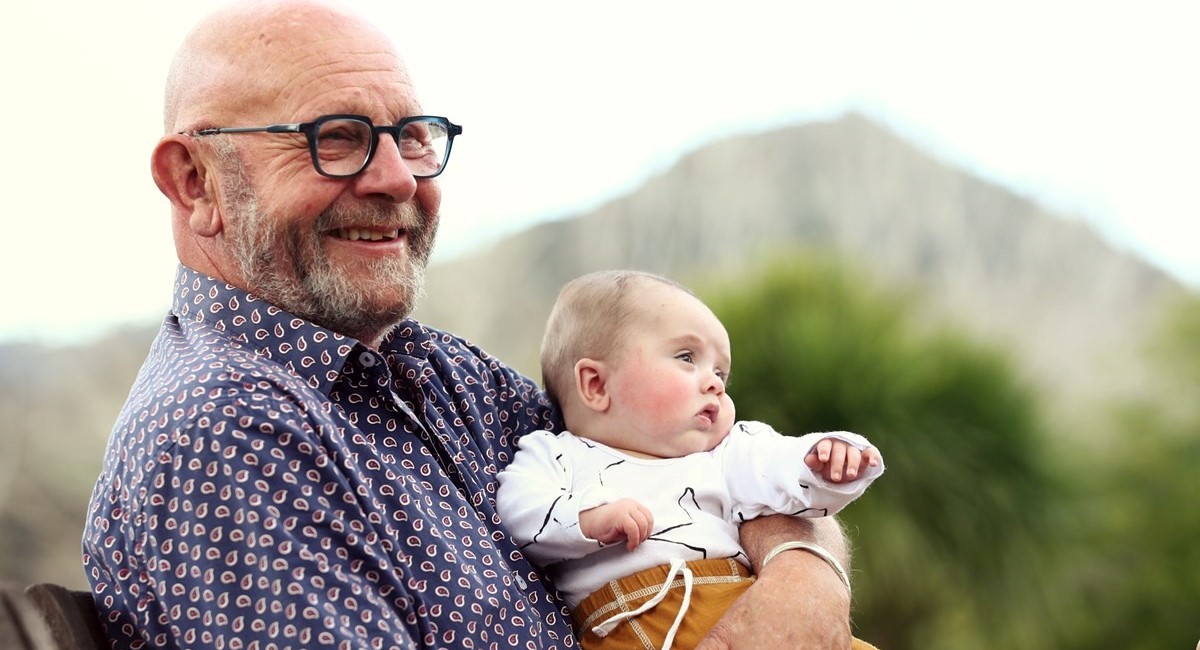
pixel 591 381
pixel 183 178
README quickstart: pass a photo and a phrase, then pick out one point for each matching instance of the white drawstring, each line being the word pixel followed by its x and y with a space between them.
pixel 677 568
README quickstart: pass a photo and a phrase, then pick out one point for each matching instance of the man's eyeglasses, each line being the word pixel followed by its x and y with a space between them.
pixel 343 145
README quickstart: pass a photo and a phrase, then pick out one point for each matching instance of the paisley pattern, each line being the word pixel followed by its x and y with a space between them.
pixel 273 484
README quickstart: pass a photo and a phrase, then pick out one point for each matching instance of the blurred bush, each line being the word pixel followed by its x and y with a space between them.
pixel 985 532
pixel 1136 548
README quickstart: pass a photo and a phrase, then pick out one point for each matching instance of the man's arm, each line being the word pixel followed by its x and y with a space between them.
pixel 253 528
pixel 759 536
pixel 798 600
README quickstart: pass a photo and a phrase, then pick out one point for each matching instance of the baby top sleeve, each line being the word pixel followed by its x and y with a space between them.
pixel 766 473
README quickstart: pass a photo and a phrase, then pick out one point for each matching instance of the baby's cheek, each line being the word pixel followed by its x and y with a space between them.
pixel 652 401
pixel 728 412
pixel 653 398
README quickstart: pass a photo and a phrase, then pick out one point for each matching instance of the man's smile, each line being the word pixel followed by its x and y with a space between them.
pixel 366 234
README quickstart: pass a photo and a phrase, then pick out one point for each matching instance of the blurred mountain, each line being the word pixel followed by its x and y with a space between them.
pixel 1072 308
pixel 1068 304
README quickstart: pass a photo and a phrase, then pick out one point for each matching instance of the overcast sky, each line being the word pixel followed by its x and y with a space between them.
pixel 1089 107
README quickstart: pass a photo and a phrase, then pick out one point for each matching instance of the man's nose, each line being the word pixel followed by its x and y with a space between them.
pixel 387 175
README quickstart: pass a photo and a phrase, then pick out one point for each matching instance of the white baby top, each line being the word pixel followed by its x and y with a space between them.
pixel 697 500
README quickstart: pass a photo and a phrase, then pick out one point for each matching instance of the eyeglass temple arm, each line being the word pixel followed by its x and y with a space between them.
pixel 274 128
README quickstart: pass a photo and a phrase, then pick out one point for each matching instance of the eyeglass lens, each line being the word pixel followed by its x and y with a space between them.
pixel 343 146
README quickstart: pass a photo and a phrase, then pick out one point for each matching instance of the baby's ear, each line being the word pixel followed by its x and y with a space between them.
pixel 591 382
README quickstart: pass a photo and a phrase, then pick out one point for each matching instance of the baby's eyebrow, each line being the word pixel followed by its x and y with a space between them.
pixel 687 340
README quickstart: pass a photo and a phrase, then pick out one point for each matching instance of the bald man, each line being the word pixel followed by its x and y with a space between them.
pixel 298 464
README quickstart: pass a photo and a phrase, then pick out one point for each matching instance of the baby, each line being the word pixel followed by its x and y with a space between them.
pixel 634 509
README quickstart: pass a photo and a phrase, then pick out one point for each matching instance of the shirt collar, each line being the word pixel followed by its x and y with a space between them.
pixel 312 352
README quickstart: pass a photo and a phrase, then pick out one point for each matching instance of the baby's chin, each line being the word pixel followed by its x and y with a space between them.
pixel 702 442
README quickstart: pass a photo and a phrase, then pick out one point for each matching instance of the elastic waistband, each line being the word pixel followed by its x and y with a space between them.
pixel 627 593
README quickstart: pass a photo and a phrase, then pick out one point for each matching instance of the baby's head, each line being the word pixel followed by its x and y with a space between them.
pixel 639 363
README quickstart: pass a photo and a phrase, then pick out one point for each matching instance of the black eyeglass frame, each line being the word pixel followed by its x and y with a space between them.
pixel 310 129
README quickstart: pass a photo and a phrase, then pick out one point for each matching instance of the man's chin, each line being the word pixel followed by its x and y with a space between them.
pixel 369 328
pixel 381 307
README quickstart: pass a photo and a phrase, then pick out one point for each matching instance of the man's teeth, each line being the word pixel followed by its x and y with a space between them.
pixel 358 234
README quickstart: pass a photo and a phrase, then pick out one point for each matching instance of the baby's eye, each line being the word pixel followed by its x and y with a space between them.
pixel 723 376
pixel 685 357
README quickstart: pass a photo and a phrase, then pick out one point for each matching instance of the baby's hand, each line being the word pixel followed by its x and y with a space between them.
pixel 620 520
pixel 835 459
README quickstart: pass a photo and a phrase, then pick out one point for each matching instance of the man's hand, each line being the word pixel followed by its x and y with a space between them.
pixel 625 519
pixel 837 460
pixel 797 602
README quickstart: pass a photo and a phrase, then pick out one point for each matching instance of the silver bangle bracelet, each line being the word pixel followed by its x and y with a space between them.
pixel 815 550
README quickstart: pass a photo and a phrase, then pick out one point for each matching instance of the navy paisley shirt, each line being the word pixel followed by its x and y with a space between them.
pixel 272 484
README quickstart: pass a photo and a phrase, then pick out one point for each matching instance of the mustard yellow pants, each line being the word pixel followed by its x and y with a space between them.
pixel 715 585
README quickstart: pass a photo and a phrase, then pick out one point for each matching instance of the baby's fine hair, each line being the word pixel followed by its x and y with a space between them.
pixel 587 319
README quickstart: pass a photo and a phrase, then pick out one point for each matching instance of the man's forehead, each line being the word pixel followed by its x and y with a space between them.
pixel 299 67
pixel 346 79
pixel 307 39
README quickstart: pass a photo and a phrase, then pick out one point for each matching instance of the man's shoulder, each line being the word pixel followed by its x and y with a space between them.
pixel 414 338
pixel 197 355
pixel 453 356
pixel 193 370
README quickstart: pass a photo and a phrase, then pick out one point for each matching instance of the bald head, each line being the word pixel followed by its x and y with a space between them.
pixel 252 59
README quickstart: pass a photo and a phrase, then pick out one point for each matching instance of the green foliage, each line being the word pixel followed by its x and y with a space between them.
pixel 1138 560
pixel 953 539
pixel 987 531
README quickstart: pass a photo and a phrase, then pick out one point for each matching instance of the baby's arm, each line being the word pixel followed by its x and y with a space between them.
pixel 624 519
pixel 768 473
pixel 834 458
pixel 540 505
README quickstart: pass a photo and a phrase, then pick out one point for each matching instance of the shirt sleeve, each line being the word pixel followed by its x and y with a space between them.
pixel 537 503
pixel 251 536
pixel 520 404
pixel 766 474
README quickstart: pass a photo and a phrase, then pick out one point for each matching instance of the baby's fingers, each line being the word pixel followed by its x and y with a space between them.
pixel 637 524
pixel 822 449
pixel 635 530
pixel 837 460
pixel 645 522
pixel 872 456
pixel 853 462
pixel 629 527
pixel 857 461
pixel 814 462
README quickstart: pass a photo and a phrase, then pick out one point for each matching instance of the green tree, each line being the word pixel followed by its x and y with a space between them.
pixel 1138 560
pixel 952 541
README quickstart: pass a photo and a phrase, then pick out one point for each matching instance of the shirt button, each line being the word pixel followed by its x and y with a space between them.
pixel 367 359
pixel 521 582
